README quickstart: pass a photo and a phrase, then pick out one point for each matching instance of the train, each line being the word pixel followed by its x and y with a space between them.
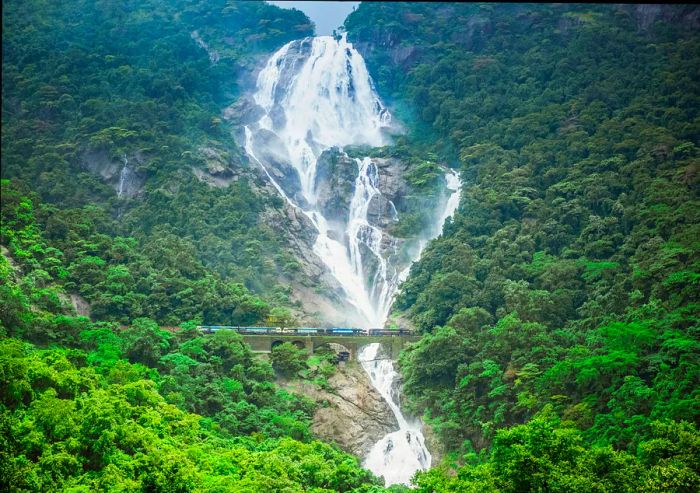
pixel 306 331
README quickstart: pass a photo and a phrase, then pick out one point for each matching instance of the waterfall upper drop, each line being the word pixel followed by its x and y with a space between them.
pixel 314 98
pixel 317 94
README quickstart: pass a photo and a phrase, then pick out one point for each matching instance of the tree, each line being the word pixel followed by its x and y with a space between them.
pixel 145 342
pixel 287 359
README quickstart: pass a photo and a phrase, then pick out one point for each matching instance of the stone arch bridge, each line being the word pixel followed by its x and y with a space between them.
pixel 264 343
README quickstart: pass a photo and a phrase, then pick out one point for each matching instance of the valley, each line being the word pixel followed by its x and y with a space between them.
pixel 449 247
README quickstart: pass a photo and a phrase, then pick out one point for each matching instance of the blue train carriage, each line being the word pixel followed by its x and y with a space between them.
pixel 307 331
pixel 388 332
pixel 256 330
pixel 345 331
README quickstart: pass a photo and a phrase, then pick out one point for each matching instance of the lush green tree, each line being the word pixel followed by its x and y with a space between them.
pixel 68 427
pixel 288 359
pixel 145 342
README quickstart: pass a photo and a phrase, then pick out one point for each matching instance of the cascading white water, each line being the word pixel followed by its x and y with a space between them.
pixel 316 94
pixel 327 101
pixel 398 455
pixel 361 232
pixel 123 176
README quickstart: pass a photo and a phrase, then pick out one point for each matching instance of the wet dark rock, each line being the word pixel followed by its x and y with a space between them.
pixel 273 154
pixel 383 209
pixel 335 184
pixel 354 414
pixel 243 112
pixel 111 171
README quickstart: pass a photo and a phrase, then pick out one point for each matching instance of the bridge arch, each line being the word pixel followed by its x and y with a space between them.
pixel 297 343
pixel 341 351
pixel 263 343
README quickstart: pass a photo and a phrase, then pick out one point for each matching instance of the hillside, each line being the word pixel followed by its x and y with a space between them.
pixel 567 284
pixel 147 184
pixel 144 85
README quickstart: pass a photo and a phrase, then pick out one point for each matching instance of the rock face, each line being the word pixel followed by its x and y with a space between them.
pixel 215 167
pixel 313 286
pixel 80 305
pixel 243 112
pixel 127 183
pixel 432 441
pixel 383 209
pixel 646 15
pixel 274 156
pixel 335 183
pixel 351 412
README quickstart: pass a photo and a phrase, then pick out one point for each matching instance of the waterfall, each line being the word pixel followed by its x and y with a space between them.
pixel 454 185
pixel 123 176
pixel 399 454
pixel 361 232
pixel 315 95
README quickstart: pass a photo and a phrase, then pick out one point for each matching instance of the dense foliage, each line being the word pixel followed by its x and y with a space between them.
pixel 129 83
pixel 569 278
pixel 543 456
pixel 568 281
pixel 112 408
pixel 86 421
pixel 73 248
pixel 559 311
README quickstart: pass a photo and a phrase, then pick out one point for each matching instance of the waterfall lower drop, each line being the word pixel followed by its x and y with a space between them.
pixel 398 455
pixel 316 94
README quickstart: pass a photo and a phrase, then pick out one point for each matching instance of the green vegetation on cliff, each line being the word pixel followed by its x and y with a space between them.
pixel 559 312
pixel 568 282
pixel 72 249
pixel 118 404
pixel 127 81
pixel 110 408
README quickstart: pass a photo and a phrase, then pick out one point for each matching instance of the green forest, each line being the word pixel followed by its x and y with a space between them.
pixel 559 312
pixel 127 81
pixel 565 292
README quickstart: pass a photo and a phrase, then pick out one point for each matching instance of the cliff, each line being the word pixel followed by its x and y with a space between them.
pixel 350 413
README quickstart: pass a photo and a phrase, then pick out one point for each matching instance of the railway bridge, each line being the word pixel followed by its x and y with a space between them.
pixel 340 343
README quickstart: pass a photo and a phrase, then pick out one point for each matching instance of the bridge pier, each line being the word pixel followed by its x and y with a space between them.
pixel 309 345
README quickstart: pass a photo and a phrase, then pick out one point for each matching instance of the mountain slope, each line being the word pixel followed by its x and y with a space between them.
pixel 114 110
pixel 568 280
